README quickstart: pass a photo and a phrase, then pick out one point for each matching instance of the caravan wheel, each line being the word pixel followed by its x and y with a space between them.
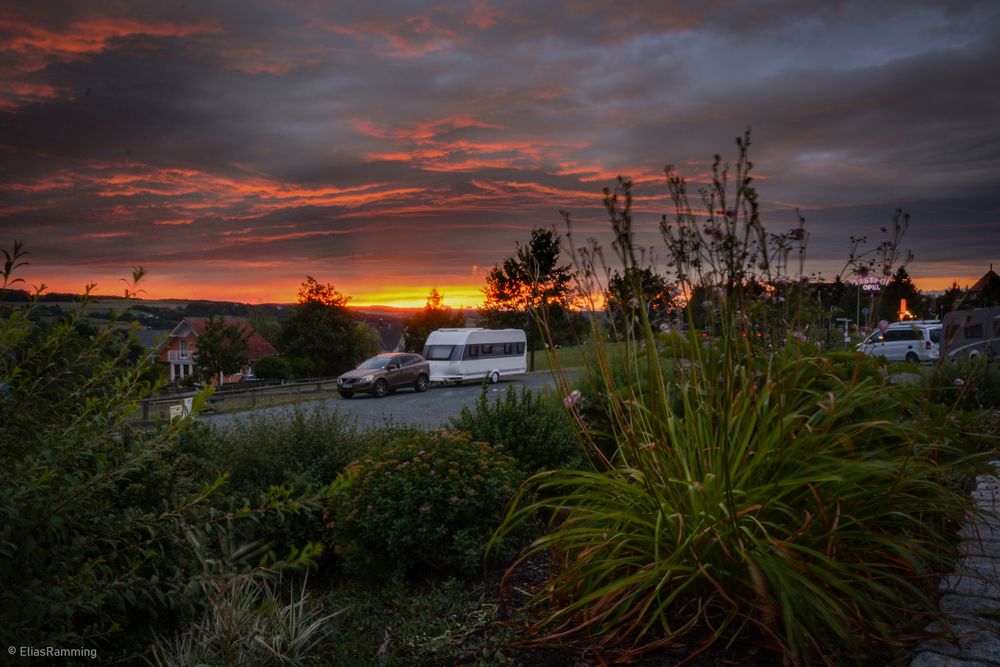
pixel 494 377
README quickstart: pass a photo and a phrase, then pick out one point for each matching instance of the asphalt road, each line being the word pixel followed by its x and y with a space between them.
pixel 431 408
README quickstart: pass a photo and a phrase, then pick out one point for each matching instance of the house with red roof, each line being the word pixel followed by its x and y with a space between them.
pixel 178 349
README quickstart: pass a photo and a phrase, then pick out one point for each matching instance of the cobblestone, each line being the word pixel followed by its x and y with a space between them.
pixel 970 636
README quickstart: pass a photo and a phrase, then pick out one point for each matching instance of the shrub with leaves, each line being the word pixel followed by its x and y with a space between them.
pixel 535 429
pixel 430 502
pixel 92 551
pixel 968 384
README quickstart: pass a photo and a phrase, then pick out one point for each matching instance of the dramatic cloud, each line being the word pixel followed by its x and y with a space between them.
pixel 394 146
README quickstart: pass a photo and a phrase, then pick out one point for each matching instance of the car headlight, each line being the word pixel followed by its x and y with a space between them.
pixel 367 378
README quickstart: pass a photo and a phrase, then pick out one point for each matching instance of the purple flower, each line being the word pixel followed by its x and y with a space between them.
pixel 714 232
pixel 862 271
pixel 706 304
pixel 573 398
pixel 633 302
pixel 433 473
pixel 804 280
pixel 799 234
pixel 959 382
pixel 665 328
pixel 780 281
pixel 720 292
pixel 799 336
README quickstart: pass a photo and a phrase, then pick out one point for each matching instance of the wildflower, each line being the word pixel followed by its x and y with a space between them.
pixel 665 328
pixel 799 336
pixel 706 304
pixel 633 303
pixel 433 473
pixel 421 453
pixel 425 508
pixel 370 507
pixel 959 382
pixel 714 233
pixel 573 398
pixel 720 292
pixel 780 281
pixel 799 234
pixel 862 272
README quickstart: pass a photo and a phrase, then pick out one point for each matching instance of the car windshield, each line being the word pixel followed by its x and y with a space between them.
pixel 374 363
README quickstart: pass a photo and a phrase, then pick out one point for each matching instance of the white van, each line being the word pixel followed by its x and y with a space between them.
pixel 472 354
pixel 971 333
pixel 913 341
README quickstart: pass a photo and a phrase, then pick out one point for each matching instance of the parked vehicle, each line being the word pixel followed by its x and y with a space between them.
pixel 913 341
pixel 384 374
pixel 971 333
pixel 456 355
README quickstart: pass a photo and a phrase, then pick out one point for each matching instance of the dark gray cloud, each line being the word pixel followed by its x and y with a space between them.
pixel 234 146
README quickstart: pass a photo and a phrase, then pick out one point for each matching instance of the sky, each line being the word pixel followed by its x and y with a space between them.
pixel 233 148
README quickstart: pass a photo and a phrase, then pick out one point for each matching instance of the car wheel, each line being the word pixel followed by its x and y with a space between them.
pixel 494 377
pixel 421 383
pixel 456 382
pixel 381 389
pixel 912 357
pixel 346 394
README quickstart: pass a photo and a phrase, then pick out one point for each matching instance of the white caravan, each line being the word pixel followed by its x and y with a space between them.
pixel 473 354
pixel 971 333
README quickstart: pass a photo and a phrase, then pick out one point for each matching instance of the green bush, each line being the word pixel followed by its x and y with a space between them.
pixel 99 515
pixel 87 556
pixel 432 501
pixel 535 429
pixel 273 368
pixel 967 384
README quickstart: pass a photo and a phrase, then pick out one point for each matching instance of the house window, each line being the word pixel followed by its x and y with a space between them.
pixel 183 349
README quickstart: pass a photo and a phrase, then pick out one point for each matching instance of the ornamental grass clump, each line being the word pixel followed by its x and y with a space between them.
pixel 757 490
pixel 428 503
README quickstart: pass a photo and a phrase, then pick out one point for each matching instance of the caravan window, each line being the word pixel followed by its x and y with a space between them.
pixel 438 352
pixel 974 331
pixel 487 348
pixel 473 350
pixel 508 348
pixel 520 348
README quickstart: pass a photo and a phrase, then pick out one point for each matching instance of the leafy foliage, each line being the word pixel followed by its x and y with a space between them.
pixel 530 286
pixel 273 368
pixel 80 551
pixel 430 502
pixel 321 331
pixel 223 348
pixel 659 296
pixel 535 429
pixel 417 327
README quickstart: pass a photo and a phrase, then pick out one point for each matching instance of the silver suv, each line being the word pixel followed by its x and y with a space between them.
pixel 914 341
pixel 386 373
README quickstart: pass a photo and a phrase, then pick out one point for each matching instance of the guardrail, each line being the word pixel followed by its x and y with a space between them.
pixel 235 396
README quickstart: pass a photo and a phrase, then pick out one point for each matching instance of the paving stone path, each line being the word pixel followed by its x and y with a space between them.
pixel 971 596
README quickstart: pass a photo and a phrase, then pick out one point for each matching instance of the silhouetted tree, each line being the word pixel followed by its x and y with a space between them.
pixel 529 287
pixel 321 332
pixel 657 293
pixel 435 315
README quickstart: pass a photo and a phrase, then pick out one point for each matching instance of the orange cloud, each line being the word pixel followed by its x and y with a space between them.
pixel 35 46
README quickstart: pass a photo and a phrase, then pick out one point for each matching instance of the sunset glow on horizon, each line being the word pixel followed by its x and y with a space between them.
pixel 391 149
